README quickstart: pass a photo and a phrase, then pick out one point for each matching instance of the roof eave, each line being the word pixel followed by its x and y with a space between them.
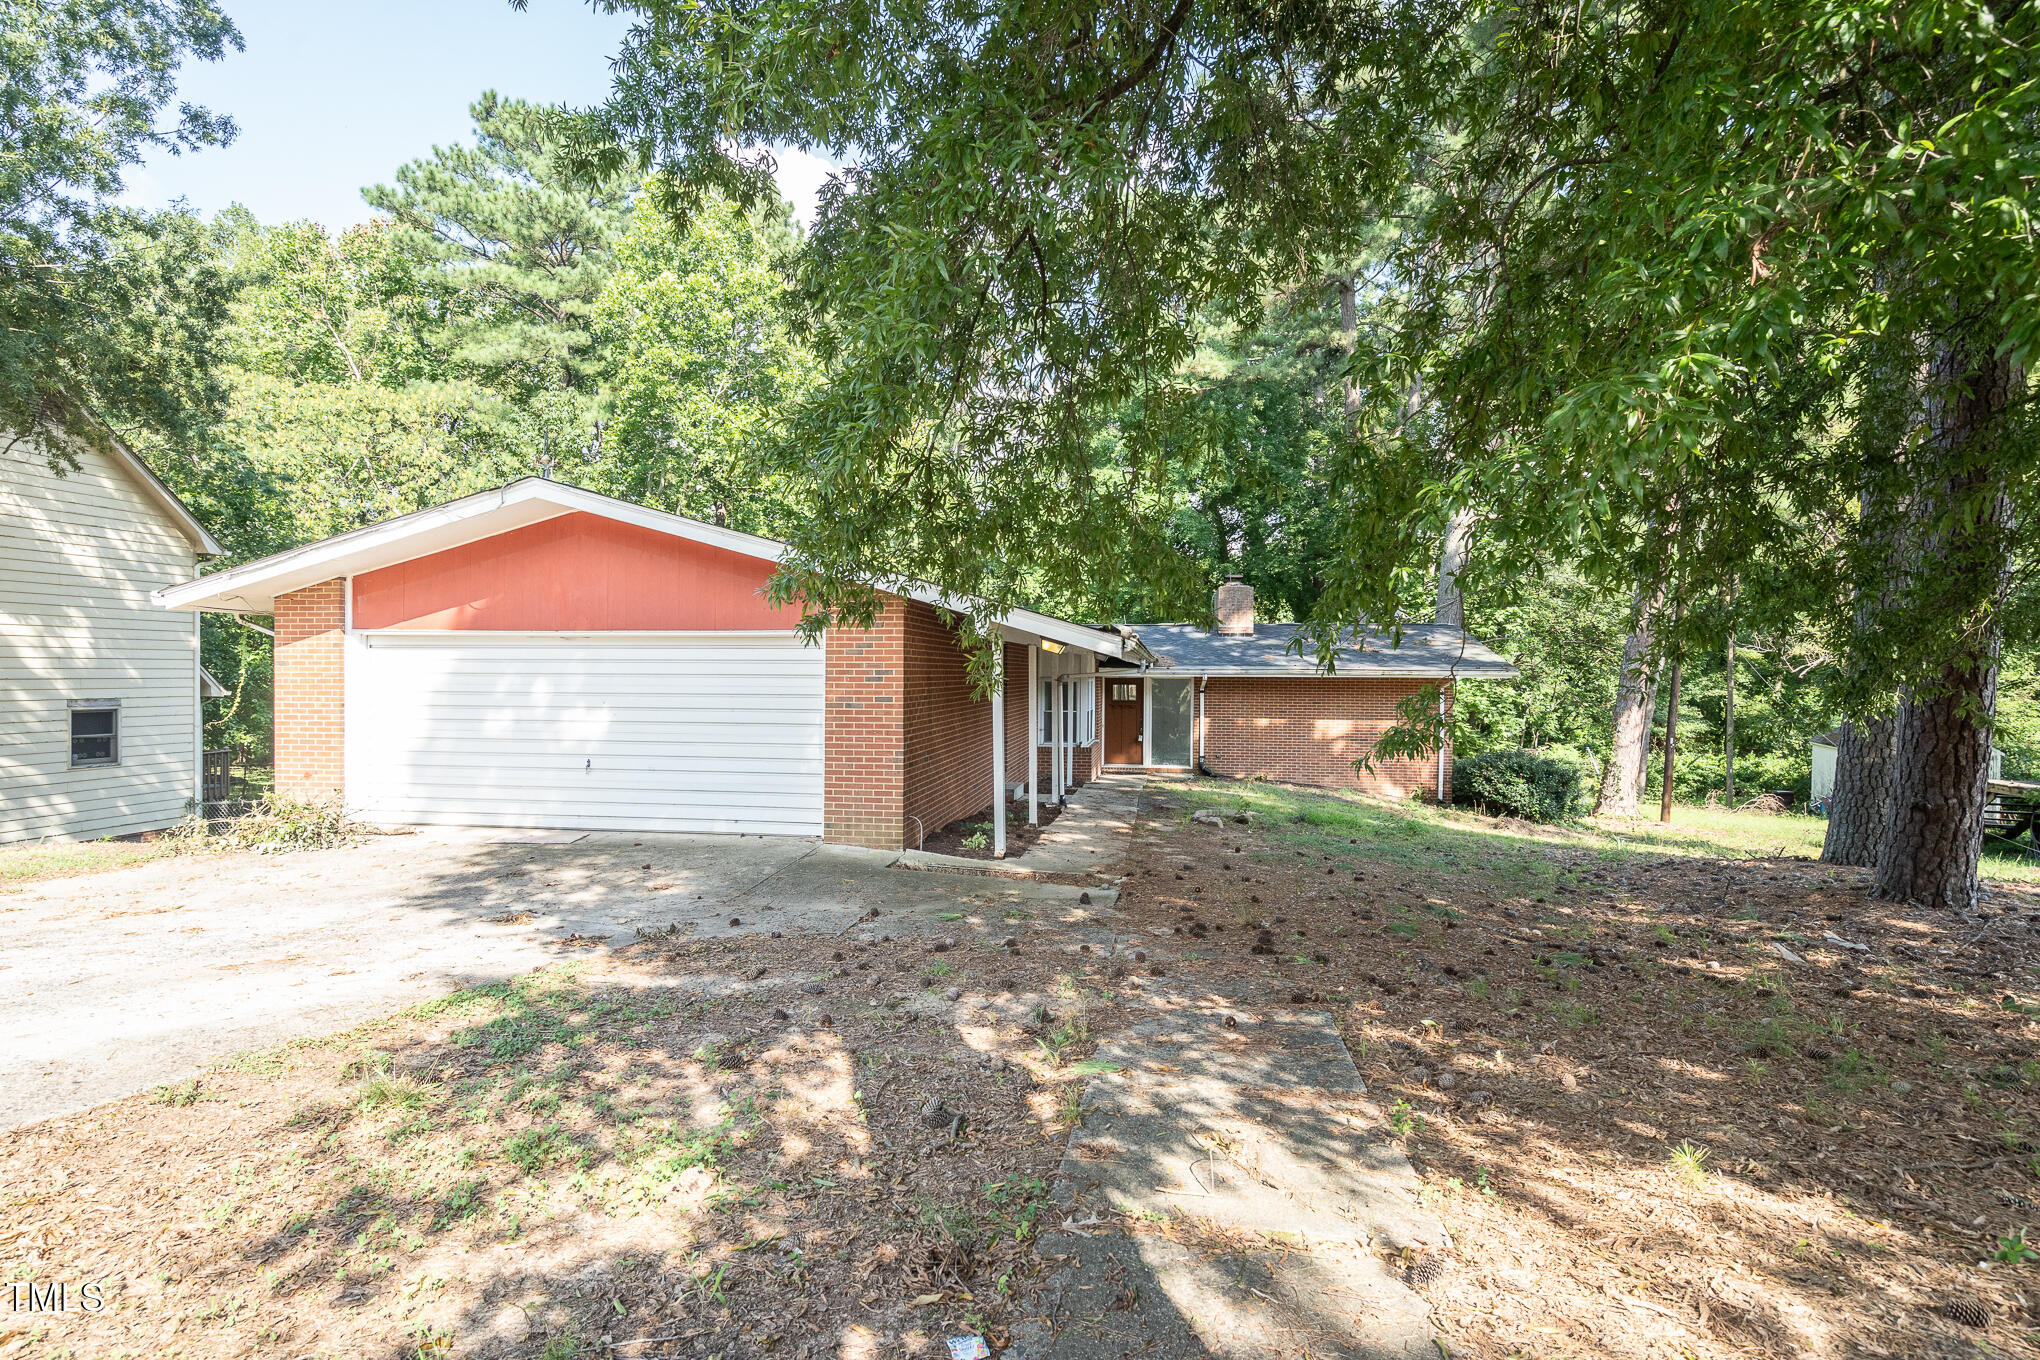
pixel 1370 673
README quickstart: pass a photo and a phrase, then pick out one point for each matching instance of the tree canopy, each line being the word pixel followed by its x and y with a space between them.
pixel 523 250
pixel 1733 301
pixel 106 314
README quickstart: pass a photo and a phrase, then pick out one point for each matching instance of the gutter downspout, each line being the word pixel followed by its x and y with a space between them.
pixel 1202 767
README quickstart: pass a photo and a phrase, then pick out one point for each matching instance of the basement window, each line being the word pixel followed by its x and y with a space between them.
pixel 95 732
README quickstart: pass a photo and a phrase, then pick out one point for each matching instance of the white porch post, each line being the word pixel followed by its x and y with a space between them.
pixel 1062 737
pixel 1033 737
pixel 1055 739
pixel 999 757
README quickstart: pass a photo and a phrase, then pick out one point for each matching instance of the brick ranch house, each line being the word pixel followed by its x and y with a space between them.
pixel 542 656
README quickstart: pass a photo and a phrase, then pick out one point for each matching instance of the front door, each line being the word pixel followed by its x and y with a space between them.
pixel 1123 734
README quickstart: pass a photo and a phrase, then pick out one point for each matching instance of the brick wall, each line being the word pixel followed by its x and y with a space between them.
pixel 1019 739
pixel 949 729
pixel 865 748
pixel 1310 731
pixel 308 690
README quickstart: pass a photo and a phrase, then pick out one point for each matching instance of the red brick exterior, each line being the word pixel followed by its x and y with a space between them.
pixel 1310 731
pixel 309 691
pixel 949 729
pixel 906 737
pixel 1019 737
pixel 864 744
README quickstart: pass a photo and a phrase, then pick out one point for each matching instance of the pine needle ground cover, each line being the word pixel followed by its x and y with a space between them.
pixel 1662 1102
pixel 1663 1105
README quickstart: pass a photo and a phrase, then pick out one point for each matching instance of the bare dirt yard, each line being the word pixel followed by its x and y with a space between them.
pixel 1683 1094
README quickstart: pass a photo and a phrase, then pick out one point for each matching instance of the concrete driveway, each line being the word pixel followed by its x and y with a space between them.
pixel 116 982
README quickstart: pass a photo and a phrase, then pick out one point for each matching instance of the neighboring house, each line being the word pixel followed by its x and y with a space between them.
pixel 99 690
pixel 1824 748
pixel 539 655
pixel 1243 702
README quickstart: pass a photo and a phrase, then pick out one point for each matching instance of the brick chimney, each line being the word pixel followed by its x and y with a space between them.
pixel 1233 603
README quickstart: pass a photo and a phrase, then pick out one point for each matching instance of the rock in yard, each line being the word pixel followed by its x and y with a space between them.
pixel 812 988
pixel 953 994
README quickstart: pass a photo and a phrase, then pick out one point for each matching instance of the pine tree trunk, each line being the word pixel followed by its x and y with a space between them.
pixel 1942 753
pixel 1622 781
pixel 1451 563
pixel 1941 764
pixel 1859 809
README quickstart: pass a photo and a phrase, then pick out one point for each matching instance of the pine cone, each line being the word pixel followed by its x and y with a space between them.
pixel 1967 1310
pixel 1427 1270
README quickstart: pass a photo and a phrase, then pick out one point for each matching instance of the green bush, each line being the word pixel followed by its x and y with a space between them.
pixel 1533 785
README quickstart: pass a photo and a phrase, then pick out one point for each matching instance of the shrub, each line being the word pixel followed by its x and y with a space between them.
pixel 1517 783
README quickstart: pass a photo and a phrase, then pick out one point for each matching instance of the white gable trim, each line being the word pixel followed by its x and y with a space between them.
pixel 179 513
pixel 253 587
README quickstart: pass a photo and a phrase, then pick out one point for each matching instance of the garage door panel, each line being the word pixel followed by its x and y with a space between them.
pixel 789 758
pixel 682 734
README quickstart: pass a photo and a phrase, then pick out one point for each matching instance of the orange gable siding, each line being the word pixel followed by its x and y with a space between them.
pixel 576 572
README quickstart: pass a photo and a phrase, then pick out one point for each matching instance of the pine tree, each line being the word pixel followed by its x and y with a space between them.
pixel 525 247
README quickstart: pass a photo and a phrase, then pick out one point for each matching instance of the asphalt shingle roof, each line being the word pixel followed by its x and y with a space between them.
pixel 1427 649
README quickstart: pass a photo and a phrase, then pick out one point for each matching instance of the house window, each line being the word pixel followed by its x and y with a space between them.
pixel 1125 693
pixel 1079 712
pixel 95 732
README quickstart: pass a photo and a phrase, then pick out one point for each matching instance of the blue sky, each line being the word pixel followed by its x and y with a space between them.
pixel 333 97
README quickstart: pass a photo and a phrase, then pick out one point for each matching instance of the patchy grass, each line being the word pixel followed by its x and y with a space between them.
pixel 1423 836
pixel 598 1144
pixel 64 859
pixel 274 825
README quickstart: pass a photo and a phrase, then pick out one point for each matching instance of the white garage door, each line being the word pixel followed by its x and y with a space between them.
pixel 715 732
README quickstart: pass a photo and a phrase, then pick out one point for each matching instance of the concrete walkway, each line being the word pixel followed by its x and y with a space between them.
pixel 1093 831
pixel 1288 1195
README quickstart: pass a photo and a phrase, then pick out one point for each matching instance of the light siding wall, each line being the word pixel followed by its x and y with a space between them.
pixel 79 554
